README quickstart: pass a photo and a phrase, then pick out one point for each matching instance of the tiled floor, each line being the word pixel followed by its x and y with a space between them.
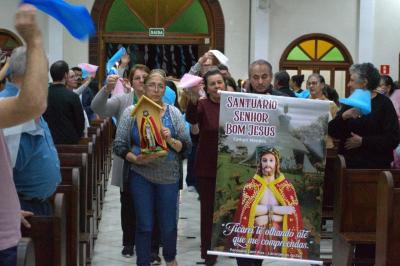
pixel 108 245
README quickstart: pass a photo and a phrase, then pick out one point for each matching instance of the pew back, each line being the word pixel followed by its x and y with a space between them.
pixel 70 188
pixel 79 161
pixel 388 220
pixel 49 235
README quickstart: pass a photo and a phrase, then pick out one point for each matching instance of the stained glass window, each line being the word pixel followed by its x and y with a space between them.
pixel 183 16
pixel 316 50
pixel 319 53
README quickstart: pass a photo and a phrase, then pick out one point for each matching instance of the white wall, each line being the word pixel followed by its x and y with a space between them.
pixel 291 19
pixel 7 15
pixel 260 29
pixel 387 35
pixel 236 16
pixel 76 51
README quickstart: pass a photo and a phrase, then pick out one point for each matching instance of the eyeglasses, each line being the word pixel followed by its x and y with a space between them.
pixel 312 83
pixel 155 86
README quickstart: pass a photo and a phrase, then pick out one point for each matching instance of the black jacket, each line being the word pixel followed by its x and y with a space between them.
pixel 269 90
pixel 379 131
pixel 287 91
pixel 64 115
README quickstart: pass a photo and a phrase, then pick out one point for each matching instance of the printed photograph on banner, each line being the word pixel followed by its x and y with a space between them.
pixel 270 173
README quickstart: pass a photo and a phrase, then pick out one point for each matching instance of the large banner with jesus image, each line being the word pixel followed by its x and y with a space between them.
pixel 271 162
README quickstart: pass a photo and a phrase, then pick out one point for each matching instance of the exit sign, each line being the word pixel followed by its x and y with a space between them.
pixel 385 69
pixel 156 32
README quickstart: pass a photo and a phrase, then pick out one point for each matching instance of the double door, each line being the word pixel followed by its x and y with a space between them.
pixel 335 78
pixel 174 59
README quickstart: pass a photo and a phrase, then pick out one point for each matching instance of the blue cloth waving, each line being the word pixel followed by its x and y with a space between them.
pixel 75 18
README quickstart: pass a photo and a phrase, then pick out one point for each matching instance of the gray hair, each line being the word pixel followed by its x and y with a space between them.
pixel 18 61
pixel 320 78
pixel 260 62
pixel 366 72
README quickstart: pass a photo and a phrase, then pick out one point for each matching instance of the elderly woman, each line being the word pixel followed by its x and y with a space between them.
pixel 153 182
pixel 205 113
pixel 366 141
pixel 114 107
pixel 316 84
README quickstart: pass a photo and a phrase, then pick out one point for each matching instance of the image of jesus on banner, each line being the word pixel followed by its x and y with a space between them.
pixel 268 213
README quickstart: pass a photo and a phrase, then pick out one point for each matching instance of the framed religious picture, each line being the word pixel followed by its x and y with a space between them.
pixel 147 115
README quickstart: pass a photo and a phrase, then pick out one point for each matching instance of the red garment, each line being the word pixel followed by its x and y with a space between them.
pixel 207 193
pixel 156 133
pixel 206 114
pixel 251 195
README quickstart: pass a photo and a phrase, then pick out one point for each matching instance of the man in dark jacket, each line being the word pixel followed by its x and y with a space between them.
pixel 260 77
pixel 281 83
pixel 64 113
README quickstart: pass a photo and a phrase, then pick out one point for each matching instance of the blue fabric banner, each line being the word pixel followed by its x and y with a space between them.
pixel 75 18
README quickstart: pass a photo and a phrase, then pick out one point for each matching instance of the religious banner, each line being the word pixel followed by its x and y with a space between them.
pixel 270 174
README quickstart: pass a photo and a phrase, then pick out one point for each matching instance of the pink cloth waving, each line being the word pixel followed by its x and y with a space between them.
pixel 395 98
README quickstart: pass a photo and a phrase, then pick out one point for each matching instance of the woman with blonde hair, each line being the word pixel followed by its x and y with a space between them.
pixel 114 107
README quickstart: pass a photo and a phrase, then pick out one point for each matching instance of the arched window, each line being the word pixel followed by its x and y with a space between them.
pixel 319 53
pixel 190 28
pixel 8 41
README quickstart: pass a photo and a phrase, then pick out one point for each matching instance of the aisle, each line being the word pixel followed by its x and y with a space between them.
pixel 108 245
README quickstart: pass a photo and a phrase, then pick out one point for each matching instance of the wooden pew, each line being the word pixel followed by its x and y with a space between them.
pixel 92 138
pixel 328 192
pixel 354 213
pixel 387 250
pixel 99 164
pixel 98 130
pixel 70 188
pixel 26 252
pixel 79 160
pixel 91 179
pixel 104 126
pixel 49 235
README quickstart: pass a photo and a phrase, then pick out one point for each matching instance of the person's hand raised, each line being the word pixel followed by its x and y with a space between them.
pixel 110 83
pixel 193 94
pixel 127 85
pixel 26 25
pixel 206 56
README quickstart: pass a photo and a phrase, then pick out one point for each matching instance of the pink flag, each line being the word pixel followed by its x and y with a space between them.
pixel 90 69
pixel 189 81
pixel 119 88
